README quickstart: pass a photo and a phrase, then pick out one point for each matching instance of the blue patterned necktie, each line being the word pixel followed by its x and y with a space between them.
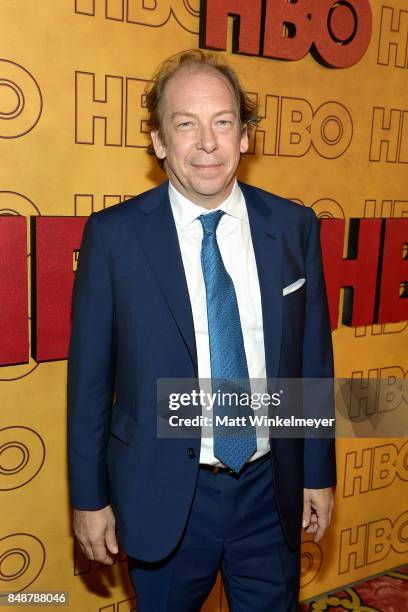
pixel 232 445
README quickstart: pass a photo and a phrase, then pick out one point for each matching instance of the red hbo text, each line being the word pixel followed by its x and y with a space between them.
pixel 338 33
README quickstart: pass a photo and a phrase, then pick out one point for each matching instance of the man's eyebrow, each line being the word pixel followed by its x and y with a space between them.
pixel 226 111
pixel 182 113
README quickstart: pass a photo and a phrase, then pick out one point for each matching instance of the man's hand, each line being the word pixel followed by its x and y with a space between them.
pixel 317 511
pixel 95 532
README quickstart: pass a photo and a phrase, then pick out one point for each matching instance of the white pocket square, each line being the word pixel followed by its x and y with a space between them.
pixel 293 286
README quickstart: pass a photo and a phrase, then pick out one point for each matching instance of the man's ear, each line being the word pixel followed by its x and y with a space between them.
pixel 158 145
pixel 244 143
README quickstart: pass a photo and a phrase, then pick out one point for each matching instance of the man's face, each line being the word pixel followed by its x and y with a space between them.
pixel 203 139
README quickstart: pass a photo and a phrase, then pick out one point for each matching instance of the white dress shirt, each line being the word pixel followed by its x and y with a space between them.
pixel 235 243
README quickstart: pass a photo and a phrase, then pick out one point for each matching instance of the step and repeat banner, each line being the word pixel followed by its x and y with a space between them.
pixel 331 80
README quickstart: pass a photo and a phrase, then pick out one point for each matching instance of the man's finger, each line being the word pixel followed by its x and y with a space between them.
pixel 307 511
pixel 87 550
pixel 100 553
pixel 85 547
pixel 322 525
pixel 312 527
pixel 110 540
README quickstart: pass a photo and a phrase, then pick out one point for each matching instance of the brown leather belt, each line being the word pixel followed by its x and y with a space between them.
pixel 218 469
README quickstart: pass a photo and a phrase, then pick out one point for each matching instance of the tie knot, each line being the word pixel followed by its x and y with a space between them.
pixel 210 221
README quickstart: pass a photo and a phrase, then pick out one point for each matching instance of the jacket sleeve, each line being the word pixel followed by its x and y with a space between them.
pixel 319 453
pixel 90 372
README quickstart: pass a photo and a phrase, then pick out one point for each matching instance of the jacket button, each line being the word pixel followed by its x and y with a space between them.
pixel 191 453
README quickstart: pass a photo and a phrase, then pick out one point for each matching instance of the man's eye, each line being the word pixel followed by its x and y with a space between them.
pixel 224 122
pixel 185 124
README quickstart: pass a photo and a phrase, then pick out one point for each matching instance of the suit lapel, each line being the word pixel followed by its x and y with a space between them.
pixel 267 243
pixel 158 235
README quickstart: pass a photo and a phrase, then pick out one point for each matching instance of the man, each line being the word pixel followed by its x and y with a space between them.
pixel 201 277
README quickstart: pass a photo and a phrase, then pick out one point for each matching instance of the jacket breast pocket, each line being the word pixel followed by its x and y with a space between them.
pixel 122 425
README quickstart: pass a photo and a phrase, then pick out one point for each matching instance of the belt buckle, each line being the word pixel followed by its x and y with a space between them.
pixel 218 468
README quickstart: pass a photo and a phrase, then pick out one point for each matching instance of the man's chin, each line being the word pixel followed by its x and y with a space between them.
pixel 205 191
pixel 211 188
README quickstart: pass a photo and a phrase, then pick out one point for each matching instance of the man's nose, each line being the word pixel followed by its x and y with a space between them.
pixel 207 139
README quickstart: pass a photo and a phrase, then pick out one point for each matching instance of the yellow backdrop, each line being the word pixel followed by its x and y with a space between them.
pixel 72 140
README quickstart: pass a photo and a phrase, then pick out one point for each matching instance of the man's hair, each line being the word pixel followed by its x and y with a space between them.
pixel 197 61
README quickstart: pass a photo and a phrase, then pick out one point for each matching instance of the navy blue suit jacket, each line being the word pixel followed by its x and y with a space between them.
pixel 132 324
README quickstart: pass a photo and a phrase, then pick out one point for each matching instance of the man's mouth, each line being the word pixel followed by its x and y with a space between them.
pixel 206 166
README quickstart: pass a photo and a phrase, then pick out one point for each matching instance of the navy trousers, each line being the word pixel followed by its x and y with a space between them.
pixel 234 527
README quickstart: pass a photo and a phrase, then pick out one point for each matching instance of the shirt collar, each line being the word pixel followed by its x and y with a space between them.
pixel 185 211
